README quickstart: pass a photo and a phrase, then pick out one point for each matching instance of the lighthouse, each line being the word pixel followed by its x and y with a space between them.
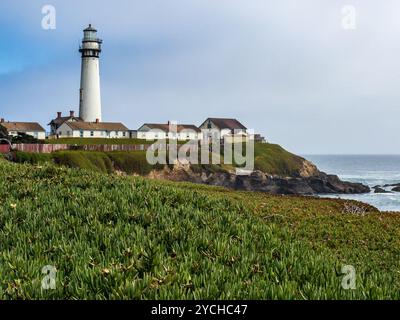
pixel 89 94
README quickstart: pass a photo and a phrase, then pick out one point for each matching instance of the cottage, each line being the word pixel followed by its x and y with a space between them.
pixel 80 129
pixel 57 122
pixel 33 129
pixel 222 128
pixel 154 131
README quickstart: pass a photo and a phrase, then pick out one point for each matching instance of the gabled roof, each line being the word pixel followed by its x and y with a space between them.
pixel 226 123
pixel 97 126
pixel 165 127
pixel 61 120
pixel 22 126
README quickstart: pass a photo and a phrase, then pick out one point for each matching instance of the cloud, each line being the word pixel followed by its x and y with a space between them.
pixel 285 68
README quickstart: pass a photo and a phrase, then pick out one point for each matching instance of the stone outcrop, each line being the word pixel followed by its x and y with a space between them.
pixel 308 182
pixel 378 189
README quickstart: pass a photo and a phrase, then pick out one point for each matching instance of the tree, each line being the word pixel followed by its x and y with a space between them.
pixel 22 137
pixel 3 133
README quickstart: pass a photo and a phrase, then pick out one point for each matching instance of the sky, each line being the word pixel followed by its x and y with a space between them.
pixel 306 74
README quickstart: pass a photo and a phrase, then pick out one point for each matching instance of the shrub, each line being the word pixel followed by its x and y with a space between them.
pixel 32 158
pixel 96 161
pixel 131 162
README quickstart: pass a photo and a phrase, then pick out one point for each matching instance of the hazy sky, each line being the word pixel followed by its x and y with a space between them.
pixel 287 69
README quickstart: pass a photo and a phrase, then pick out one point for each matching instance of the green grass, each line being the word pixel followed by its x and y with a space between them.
pixel 269 158
pixel 116 237
pixel 132 162
pixel 95 141
pixel 32 158
pixel 96 161
pixel 273 159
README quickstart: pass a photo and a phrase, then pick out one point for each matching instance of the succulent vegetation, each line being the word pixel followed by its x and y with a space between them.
pixel 112 237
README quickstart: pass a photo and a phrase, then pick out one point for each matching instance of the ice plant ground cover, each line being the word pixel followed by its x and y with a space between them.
pixel 112 237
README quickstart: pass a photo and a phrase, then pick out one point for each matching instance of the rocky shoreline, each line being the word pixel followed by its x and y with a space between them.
pixel 309 182
pixel 383 189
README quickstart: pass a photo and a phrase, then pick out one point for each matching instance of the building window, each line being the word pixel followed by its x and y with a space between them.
pixel 124 134
pixel 91 133
pixel 81 133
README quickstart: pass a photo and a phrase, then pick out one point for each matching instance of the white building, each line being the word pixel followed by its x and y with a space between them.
pixel 79 129
pixel 157 131
pixel 33 129
pixel 57 122
pixel 222 128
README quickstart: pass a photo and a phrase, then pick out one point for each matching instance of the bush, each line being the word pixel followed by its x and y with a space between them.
pixel 132 162
pixel 273 159
pixel 25 138
pixel 32 158
pixel 96 161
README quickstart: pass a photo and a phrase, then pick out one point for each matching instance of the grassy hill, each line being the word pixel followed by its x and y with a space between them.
pixel 273 159
pixel 116 237
pixel 269 158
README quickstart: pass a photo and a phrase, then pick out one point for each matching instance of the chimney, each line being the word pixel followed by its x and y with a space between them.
pixel 2 120
pixel 59 114
pixel 97 120
pixel 72 113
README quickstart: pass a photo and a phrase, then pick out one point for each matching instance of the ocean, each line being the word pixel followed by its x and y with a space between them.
pixel 371 170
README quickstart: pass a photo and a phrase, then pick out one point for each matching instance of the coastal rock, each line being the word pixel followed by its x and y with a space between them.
pixel 308 169
pixel 380 190
pixel 318 183
pixel 396 189
pixel 391 185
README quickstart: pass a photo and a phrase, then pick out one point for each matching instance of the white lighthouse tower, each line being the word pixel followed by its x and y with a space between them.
pixel 89 95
